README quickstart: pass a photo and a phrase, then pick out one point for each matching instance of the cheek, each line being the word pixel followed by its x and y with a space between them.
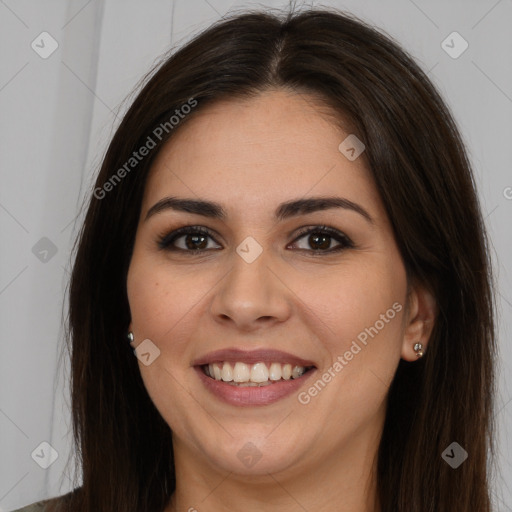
pixel 360 302
pixel 165 304
pixel 360 315
pixel 159 299
pixel 161 307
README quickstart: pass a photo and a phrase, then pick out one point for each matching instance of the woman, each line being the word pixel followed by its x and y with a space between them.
pixel 285 229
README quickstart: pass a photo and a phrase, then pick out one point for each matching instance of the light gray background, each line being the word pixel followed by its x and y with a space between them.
pixel 58 114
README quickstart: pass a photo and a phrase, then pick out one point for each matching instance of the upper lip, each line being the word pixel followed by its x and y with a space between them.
pixel 251 357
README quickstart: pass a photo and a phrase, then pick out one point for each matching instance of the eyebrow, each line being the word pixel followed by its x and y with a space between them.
pixel 284 211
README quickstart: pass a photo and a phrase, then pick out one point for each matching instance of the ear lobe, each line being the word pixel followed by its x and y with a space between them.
pixel 419 324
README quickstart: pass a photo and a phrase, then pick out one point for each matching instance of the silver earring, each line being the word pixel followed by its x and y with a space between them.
pixel 130 336
pixel 418 348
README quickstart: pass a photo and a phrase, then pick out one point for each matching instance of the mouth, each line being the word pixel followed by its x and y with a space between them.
pixel 258 377
pixel 259 374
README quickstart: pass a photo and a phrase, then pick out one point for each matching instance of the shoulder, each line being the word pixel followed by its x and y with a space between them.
pixel 34 507
pixel 44 505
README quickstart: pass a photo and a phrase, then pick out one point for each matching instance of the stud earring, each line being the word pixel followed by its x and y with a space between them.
pixel 130 336
pixel 418 348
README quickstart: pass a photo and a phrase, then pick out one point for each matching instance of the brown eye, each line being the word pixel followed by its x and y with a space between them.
pixel 319 239
pixel 195 240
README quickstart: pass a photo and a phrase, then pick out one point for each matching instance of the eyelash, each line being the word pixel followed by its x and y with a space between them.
pixel 165 241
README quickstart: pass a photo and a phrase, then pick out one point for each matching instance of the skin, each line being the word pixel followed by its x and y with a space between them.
pixel 251 155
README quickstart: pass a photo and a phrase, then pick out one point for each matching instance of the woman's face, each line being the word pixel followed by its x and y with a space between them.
pixel 258 297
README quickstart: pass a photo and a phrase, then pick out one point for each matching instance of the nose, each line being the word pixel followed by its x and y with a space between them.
pixel 252 295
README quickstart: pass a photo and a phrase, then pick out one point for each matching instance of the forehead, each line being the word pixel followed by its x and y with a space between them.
pixel 258 152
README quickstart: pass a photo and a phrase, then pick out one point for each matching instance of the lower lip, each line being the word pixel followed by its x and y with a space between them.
pixel 252 395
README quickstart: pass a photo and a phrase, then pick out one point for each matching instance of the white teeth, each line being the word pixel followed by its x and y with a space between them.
pixel 241 373
pixel 217 373
pixel 258 374
pixel 227 372
pixel 275 371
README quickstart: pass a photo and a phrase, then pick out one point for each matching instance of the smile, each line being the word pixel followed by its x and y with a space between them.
pixel 249 378
pixel 254 375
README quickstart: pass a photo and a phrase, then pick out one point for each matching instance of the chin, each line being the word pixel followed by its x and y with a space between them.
pixel 253 454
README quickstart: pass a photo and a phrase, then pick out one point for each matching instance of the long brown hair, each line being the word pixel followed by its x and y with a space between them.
pixel 421 169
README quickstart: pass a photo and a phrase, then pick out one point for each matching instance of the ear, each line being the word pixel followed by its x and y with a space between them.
pixel 419 321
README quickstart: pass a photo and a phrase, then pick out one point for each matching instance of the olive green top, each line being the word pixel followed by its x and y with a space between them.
pixel 34 507
pixel 40 506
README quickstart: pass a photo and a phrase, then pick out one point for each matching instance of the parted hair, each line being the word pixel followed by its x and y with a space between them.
pixel 420 166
